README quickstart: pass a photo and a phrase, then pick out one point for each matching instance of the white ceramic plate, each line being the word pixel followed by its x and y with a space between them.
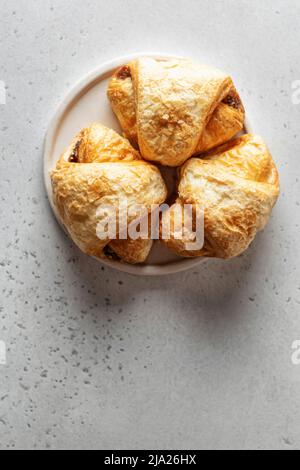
pixel 85 104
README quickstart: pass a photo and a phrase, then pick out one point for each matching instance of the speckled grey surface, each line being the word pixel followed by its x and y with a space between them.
pixel 98 359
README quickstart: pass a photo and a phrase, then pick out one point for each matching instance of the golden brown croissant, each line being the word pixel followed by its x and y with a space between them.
pixel 101 169
pixel 237 187
pixel 175 108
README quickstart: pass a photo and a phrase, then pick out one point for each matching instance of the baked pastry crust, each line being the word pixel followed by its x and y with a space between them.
pixel 171 110
pixel 237 186
pixel 175 108
pixel 101 169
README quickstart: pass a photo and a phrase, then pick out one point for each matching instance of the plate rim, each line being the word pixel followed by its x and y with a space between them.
pixel 87 80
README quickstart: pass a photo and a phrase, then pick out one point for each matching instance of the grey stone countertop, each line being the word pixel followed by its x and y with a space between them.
pixel 99 359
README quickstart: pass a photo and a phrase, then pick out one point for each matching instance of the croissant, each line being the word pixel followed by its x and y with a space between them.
pixel 173 109
pixel 237 186
pixel 100 168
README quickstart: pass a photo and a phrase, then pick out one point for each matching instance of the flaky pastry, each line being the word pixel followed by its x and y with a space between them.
pixel 237 186
pixel 100 169
pixel 175 108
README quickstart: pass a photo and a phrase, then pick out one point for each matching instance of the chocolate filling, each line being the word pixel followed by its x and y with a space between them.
pixel 233 101
pixel 110 254
pixel 74 157
pixel 124 72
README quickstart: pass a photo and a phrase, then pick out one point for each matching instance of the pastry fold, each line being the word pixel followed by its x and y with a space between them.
pixel 173 109
pixel 101 169
pixel 236 186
